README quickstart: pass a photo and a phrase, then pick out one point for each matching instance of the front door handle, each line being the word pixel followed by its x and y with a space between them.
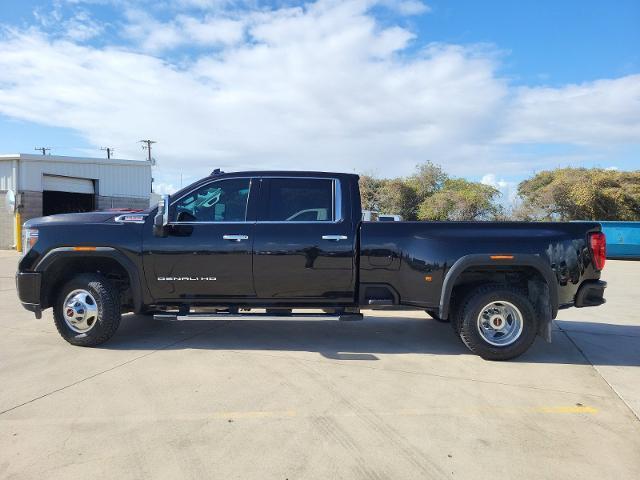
pixel 236 238
pixel 334 237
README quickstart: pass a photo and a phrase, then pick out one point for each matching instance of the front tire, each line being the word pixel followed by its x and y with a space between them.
pixel 87 310
pixel 497 322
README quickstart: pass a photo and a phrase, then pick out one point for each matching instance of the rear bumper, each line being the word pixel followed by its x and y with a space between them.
pixel 28 286
pixel 590 294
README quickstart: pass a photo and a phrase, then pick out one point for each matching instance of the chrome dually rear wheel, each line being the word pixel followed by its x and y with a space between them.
pixel 497 321
pixel 500 323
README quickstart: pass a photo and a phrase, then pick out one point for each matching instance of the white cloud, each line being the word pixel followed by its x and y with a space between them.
pixel 212 31
pixel 324 86
pixel 205 4
pixel 154 36
pixel 590 113
pixel 80 27
pixel 162 188
pixel 407 7
pixel 508 190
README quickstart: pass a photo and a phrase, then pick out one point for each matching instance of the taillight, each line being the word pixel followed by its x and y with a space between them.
pixel 598 243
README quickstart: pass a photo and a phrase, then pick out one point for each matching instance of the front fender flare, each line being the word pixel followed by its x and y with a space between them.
pixel 61 253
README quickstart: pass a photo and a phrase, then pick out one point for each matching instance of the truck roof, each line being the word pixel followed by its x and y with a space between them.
pixel 217 173
pixel 284 173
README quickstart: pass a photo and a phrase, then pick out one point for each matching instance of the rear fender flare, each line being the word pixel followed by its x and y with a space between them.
pixel 476 260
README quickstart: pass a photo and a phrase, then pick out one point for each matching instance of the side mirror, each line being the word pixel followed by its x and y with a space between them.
pixel 161 220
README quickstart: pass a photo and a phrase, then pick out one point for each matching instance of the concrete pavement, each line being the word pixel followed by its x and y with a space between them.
pixel 395 396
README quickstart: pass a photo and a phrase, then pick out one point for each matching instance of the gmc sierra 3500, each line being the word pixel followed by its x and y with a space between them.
pixel 284 240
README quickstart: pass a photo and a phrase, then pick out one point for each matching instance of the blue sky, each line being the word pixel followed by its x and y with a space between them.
pixel 547 42
pixel 491 90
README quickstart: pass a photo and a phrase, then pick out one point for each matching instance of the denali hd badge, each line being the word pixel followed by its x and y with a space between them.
pixel 188 279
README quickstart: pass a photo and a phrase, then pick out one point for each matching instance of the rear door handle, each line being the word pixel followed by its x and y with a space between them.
pixel 334 237
pixel 236 238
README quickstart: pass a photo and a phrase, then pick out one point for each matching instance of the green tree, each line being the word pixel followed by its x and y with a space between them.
pixel 399 198
pixel 428 179
pixel 580 194
pixel 460 199
pixel 429 194
pixel 370 192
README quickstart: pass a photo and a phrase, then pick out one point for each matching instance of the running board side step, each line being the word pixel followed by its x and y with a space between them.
pixel 380 301
pixel 173 317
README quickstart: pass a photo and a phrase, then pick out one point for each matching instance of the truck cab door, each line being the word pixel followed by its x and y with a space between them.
pixel 207 253
pixel 305 242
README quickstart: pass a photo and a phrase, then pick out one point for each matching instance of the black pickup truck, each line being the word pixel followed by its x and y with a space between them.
pixel 285 240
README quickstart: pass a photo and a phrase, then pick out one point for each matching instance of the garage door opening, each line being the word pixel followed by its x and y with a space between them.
pixel 67 195
pixel 66 202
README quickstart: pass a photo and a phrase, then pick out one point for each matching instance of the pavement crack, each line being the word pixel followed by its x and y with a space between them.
pixel 600 334
pixel 107 370
pixel 588 360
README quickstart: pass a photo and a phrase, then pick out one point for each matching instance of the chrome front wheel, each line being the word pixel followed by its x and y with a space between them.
pixel 80 311
pixel 87 310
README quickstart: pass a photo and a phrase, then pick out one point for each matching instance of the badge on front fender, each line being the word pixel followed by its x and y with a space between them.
pixel 187 279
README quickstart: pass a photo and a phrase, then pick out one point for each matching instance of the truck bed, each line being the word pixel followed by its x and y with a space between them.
pixel 415 257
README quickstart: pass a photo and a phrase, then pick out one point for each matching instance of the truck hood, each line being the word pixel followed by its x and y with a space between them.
pixel 75 218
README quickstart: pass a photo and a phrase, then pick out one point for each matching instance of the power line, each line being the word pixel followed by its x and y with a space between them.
pixel 109 151
pixel 147 147
pixel 44 150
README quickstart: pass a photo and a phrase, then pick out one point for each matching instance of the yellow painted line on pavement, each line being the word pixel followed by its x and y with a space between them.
pixel 255 414
pixel 544 409
pixel 282 414
pixel 569 409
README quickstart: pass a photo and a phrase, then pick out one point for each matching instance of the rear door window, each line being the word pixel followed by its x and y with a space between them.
pixel 299 200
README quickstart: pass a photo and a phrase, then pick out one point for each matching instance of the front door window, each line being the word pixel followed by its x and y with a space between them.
pixel 221 201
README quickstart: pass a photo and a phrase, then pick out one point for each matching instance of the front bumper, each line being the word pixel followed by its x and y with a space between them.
pixel 28 286
pixel 591 294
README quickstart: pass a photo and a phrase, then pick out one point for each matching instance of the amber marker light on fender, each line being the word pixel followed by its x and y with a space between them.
pixel 84 249
pixel 501 257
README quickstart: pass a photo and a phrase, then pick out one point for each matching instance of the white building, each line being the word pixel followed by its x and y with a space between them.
pixel 50 184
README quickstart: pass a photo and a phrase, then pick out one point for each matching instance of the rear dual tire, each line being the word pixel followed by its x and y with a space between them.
pixel 497 322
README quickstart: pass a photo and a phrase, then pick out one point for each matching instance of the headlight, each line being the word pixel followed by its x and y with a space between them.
pixel 29 238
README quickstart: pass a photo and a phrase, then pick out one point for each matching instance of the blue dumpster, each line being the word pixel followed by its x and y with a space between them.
pixel 623 239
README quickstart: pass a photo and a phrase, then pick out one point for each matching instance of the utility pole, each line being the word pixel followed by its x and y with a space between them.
pixel 109 151
pixel 44 150
pixel 147 147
